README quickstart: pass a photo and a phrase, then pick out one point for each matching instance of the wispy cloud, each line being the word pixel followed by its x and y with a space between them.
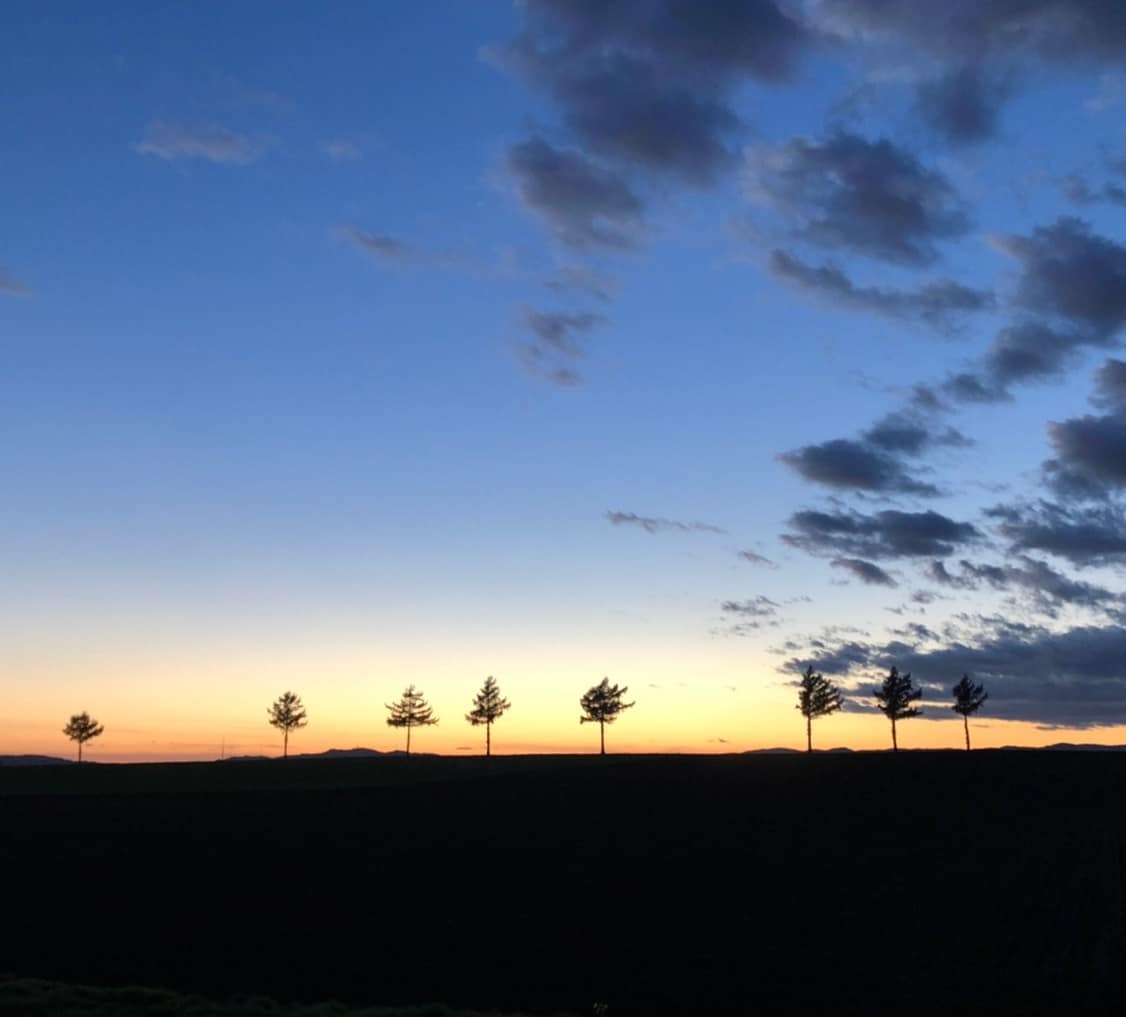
pixel 174 143
pixel 383 246
pixel 13 287
pixel 657 524
pixel 340 150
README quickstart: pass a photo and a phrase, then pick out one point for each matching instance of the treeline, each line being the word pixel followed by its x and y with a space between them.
pixel 602 704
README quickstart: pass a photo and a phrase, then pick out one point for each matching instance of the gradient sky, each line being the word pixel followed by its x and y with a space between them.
pixel 346 346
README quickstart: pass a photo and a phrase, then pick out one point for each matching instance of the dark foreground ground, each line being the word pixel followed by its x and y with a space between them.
pixel 840 884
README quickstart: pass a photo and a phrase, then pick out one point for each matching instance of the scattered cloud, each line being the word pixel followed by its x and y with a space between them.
pixel 340 150
pixel 887 534
pixel 941 305
pixel 584 204
pixel 382 246
pixel 12 286
pixel 657 524
pixel 583 279
pixel 174 143
pixel 1082 534
pixel 846 464
pixel 867 197
pixel 754 558
pixel 867 572
pixel 560 331
pixel 962 105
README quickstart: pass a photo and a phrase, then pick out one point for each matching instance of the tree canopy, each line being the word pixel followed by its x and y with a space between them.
pixel 968 699
pixel 488 706
pixel 817 697
pixel 411 711
pixel 894 699
pixel 287 713
pixel 602 705
pixel 81 728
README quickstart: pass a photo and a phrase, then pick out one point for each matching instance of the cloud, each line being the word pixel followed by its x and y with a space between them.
pixel 582 279
pixel 1084 535
pixel 584 204
pixel 1070 678
pixel 560 331
pixel 340 150
pixel 887 534
pixel 867 572
pixel 1090 455
pixel 12 286
pixel 379 245
pixel 1079 192
pixel 854 465
pixel 962 104
pixel 754 558
pixel 1064 31
pixel 1045 585
pixel 868 197
pixel 939 304
pixel 1071 274
pixel 902 432
pixel 210 143
pixel 1110 384
pixel 656 524
pixel 757 607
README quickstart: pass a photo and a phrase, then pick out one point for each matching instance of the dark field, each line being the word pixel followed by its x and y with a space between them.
pixel 837 884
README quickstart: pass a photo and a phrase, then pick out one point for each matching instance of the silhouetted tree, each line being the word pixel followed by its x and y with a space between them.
pixel 601 705
pixel 968 699
pixel 81 728
pixel 488 705
pixel 894 698
pixel 817 697
pixel 411 710
pixel 287 714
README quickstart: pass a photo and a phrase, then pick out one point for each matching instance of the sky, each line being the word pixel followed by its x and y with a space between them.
pixel 351 346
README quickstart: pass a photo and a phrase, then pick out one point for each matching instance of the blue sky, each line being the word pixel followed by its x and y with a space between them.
pixel 334 336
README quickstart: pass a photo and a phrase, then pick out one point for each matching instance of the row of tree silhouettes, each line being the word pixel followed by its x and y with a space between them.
pixel 602 704
pixel 895 699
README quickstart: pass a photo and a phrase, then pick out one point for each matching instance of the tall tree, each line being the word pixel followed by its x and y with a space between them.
pixel 81 728
pixel 817 697
pixel 968 699
pixel 601 705
pixel 488 706
pixel 894 698
pixel 287 713
pixel 411 710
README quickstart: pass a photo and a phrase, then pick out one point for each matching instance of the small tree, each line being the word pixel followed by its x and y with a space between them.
pixel 968 699
pixel 817 697
pixel 488 705
pixel 81 728
pixel 287 714
pixel 411 710
pixel 601 705
pixel 894 698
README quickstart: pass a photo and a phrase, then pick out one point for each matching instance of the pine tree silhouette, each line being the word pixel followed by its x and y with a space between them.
pixel 894 698
pixel 287 713
pixel 968 699
pixel 81 728
pixel 488 705
pixel 817 697
pixel 410 711
pixel 601 705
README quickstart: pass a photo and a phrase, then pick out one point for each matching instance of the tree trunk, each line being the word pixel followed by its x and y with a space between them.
pixel 488 738
pixel 602 737
pixel 80 751
pixel 894 743
pixel 966 721
pixel 408 739
pixel 285 744
pixel 808 734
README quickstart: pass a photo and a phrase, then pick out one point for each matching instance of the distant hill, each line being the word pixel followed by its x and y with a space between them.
pixel 357 753
pixel 1069 747
pixel 789 752
pixel 34 761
